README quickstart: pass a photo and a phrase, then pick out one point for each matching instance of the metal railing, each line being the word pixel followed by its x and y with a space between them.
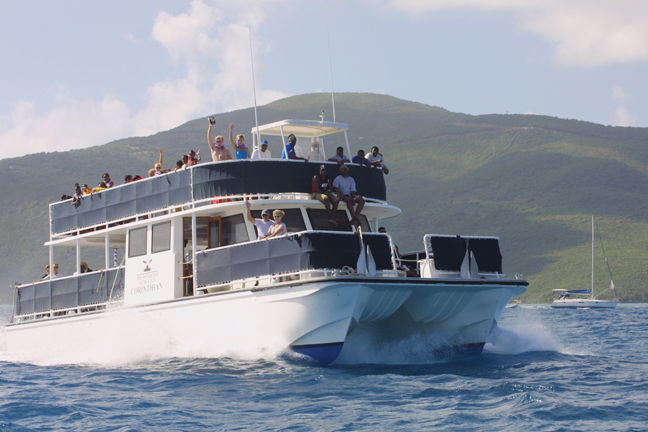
pixel 198 185
pixel 51 297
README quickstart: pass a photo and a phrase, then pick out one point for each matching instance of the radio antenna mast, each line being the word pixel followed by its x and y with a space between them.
pixel 331 72
pixel 256 116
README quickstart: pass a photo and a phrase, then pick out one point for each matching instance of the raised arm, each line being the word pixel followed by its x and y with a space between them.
pixel 160 159
pixel 231 137
pixel 210 142
pixel 209 135
pixel 247 212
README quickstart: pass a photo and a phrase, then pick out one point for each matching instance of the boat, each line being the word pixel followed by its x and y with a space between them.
pixel 180 256
pixel 584 298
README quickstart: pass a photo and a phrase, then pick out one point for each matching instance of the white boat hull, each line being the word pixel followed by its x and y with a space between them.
pixel 314 318
pixel 573 303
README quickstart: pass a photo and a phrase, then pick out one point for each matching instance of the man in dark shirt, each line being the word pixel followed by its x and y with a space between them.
pixel 322 188
pixel 360 159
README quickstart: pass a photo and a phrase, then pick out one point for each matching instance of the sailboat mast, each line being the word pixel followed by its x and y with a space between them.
pixel 592 288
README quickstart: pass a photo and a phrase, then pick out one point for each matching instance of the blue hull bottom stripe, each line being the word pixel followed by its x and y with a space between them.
pixel 323 353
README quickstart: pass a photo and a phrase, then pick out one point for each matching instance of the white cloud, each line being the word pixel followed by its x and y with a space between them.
pixel 584 32
pixel 621 114
pixel 71 124
pixel 216 57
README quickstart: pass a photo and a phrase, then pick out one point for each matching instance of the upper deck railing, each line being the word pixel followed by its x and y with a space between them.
pixel 200 182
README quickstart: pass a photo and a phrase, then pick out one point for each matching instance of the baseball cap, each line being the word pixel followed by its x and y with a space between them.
pixel 264 142
pixel 266 212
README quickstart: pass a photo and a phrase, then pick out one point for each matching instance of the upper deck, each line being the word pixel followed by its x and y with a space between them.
pixel 201 185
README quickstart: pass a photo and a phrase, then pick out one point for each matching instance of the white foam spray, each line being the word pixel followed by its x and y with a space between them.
pixel 129 336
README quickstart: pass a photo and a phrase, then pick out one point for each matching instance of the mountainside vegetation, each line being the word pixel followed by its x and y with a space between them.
pixel 532 180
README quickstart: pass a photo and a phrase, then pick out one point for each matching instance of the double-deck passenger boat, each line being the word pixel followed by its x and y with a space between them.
pixel 193 267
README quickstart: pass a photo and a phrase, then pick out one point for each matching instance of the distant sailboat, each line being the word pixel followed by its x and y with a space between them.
pixel 584 298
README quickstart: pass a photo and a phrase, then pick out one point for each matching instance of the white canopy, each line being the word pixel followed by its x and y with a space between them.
pixel 308 129
pixel 300 128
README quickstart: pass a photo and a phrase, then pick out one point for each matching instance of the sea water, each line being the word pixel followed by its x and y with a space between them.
pixel 542 370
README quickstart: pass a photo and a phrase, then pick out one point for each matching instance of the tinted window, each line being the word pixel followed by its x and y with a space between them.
pixel 364 223
pixel 233 230
pixel 214 233
pixel 137 242
pixel 161 234
pixel 319 220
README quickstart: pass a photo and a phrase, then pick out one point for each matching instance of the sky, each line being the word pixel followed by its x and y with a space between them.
pixel 79 73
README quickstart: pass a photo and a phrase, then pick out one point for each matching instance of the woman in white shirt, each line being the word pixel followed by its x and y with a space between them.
pixel 279 228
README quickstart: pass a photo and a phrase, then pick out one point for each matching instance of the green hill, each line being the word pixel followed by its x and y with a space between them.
pixel 532 180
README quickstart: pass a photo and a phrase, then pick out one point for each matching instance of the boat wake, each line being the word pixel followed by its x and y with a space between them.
pixel 128 336
pixel 526 336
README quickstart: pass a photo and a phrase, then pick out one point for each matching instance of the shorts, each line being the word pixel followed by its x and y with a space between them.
pixel 323 197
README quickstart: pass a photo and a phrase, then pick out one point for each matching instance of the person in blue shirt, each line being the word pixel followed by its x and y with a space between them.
pixel 360 159
pixel 239 146
pixel 288 152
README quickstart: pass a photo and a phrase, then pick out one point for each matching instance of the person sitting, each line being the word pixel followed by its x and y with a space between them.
pixel 288 152
pixel 217 147
pixel 76 197
pixel 262 152
pixel 339 157
pixel 87 190
pixel 239 146
pixel 410 272
pixel 376 159
pixel 360 159
pixel 193 158
pixel 278 228
pixel 345 185
pixel 263 224
pixel 322 190
pixel 315 154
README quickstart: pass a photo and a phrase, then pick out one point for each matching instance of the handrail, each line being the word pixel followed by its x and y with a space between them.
pixel 74 291
pixel 287 253
pixel 200 183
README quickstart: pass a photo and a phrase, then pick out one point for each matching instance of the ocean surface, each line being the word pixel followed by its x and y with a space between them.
pixel 543 370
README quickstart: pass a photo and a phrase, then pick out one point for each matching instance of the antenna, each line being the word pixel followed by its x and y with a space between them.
pixel 331 72
pixel 256 117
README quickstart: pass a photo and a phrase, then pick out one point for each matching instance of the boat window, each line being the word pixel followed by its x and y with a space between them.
pixel 161 237
pixel 364 223
pixel 293 219
pixel 137 242
pixel 214 232
pixel 233 230
pixel 319 220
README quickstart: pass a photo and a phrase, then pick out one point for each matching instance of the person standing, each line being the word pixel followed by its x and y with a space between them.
pixel 288 152
pixel 239 146
pixel 217 147
pixel 263 224
pixel 278 228
pixel 262 152
pixel 339 157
